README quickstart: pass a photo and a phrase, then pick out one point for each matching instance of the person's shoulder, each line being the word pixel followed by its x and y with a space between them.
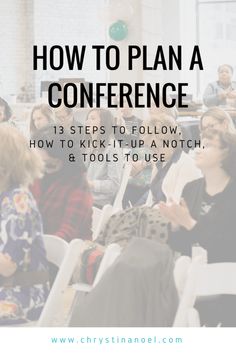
pixel 194 185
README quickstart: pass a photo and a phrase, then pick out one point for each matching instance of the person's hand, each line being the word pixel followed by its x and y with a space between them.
pixel 7 266
pixel 222 95
pixel 178 214
pixel 232 94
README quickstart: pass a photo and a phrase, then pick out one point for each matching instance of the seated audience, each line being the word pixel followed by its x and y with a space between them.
pixel 105 173
pixel 223 91
pixel 24 276
pixel 41 116
pixel 63 195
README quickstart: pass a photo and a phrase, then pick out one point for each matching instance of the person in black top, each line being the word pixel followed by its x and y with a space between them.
pixel 206 214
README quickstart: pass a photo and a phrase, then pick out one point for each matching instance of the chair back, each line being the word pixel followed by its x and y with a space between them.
pixel 100 218
pixel 56 249
pixel 216 279
pixel 117 205
pixel 52 312
pixel 205 280
pixel 110 255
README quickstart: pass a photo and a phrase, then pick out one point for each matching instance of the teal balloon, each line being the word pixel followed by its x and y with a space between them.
pixel 118 30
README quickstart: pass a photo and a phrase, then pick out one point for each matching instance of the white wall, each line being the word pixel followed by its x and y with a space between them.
pixel 15 36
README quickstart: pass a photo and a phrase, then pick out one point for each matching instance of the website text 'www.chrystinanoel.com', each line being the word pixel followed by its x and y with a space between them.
pixel 117 340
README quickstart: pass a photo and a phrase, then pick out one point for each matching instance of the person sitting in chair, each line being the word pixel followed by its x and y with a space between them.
pixel 24 279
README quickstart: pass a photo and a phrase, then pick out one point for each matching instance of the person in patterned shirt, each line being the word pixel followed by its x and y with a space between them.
pixel 24 284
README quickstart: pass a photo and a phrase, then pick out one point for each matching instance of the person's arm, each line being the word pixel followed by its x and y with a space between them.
pixel 77 219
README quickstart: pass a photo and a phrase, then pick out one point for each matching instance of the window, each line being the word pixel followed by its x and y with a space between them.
pixel 216 31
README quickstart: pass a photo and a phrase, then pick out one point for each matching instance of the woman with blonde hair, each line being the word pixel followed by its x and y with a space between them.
pixel 41 116
pixel 218 119
pixel 24 278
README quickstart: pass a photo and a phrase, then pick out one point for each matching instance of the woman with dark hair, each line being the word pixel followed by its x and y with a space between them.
pixel 63 194
pixel 206 214
pixel 41 116
pixel 223 91
pixel 5 111
pixel 105 171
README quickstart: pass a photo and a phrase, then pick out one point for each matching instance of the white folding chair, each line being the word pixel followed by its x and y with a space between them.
pixel 204 280
pixel 56 249
pixel 117 205
pixel 182 266
pixel 149 200
pixel 110 255
pixel 52 312
pixel 100 218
